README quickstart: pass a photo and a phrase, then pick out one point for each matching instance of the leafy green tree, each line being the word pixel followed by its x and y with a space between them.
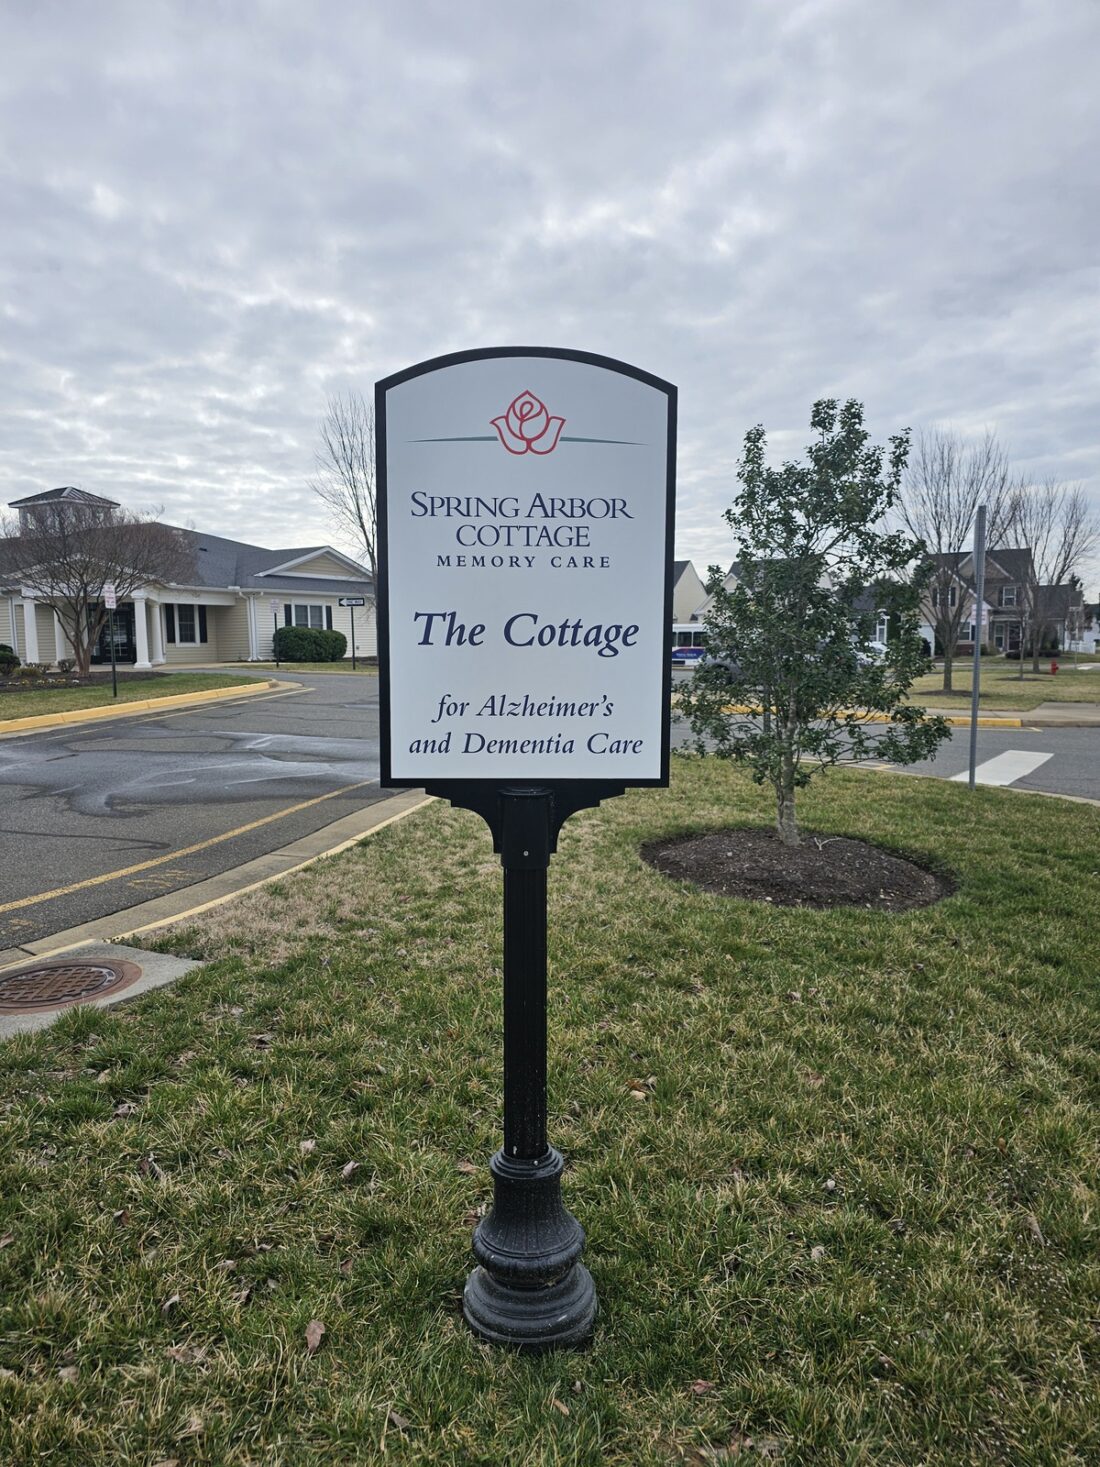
pixel 790 685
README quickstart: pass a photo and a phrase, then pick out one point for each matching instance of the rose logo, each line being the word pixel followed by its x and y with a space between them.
pixel 527 427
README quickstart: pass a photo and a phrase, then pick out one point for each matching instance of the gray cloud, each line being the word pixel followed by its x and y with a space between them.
pixel 215 215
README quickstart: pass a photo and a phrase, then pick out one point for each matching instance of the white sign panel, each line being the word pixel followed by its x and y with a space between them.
pixel 526 537
pixel 110 599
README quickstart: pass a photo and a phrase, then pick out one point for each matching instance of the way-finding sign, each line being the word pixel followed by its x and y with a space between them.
pixel 525 538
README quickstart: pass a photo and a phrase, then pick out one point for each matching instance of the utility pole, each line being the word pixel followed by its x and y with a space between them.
pixel 979 594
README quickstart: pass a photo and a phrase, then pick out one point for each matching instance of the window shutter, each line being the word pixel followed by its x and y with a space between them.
pixel 328 618
pixel 170 621
pixel 202 623
pixel 288 614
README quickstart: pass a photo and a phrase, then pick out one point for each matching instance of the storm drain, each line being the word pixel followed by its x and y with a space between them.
pixel 58 984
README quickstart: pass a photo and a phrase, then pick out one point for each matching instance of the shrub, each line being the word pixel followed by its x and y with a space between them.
pixel 308 644
pixel 32 669
pixel 9 660
pixel 66 664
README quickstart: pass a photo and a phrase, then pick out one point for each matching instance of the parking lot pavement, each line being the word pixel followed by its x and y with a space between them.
pixel 101 817
pixel 1059 761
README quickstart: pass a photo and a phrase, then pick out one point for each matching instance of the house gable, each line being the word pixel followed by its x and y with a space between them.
pixel 323 562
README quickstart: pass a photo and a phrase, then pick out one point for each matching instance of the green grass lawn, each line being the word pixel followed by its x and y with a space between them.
pixel 1001 685
pixel 853 1219
pixel 30 702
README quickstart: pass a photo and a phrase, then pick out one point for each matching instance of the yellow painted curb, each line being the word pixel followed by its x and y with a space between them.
pixel 139 705
pixel 956 720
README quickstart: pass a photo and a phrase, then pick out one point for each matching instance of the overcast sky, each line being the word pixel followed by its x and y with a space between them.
pixel 212 215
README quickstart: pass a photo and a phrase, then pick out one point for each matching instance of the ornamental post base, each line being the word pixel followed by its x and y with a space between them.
pixel 530 1291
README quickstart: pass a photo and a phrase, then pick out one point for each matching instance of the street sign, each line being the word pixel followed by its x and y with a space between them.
pixel 525 515
pixel 353 601
pixel 525 531
pixel 110 600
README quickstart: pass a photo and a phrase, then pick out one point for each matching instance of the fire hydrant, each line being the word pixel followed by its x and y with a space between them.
pixel 1053 667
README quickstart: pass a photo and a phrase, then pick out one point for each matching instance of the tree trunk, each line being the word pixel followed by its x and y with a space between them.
pixel 948 664
pixel 785 823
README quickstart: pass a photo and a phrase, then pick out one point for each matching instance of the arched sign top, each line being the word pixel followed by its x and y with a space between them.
pixel 526 499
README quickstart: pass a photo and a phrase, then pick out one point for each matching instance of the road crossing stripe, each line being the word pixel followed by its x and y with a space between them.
pixel 1005 768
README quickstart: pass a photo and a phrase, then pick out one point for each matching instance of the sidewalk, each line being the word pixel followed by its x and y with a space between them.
pixel 1047 715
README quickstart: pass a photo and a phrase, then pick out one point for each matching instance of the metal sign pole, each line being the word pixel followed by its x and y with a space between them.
pixel 979 593
pixel 275 634
pixel 114 668
pixel 353 666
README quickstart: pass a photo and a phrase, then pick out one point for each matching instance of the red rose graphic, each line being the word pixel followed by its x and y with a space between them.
pixel 527 427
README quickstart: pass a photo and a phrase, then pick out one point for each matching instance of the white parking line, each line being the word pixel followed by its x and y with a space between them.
pixel 1006 768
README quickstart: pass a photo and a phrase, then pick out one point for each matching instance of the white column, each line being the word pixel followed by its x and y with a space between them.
pixel 141 635
pixel 30 632
pixel 158 632
pixel 253 637
pixel 64 648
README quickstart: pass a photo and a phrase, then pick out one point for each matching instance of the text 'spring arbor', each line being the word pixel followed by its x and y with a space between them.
pixel 525 521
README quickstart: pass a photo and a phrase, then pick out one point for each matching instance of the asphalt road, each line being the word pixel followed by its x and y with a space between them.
pixel 99 818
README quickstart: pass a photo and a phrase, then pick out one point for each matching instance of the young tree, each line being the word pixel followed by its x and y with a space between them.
pixel 947 479
pixel 790 686
pixel 345 477
pixel 1057 524
pixel 64 553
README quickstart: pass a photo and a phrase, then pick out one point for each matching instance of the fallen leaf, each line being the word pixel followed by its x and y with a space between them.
pixel 468 1168
pixel 103 1077
pixel 701 1387
pixel 126 1108
pixel 148 1167
pixel 794 995
pixel 817 1254
pixel 830 1184
pixel 315 1333
pixel 262 1041
pixel 306 1147
pixel 227 1265
pixel 349 1169
pixel 169 1304
pixel 186 1354
pixel 638 1095
pixel 560 1406
pixel 69 1374
pixel 345 1267
pixel 241 1296
pixel 167 1462
pixel 1035 1230
pixel 271 1285
pixel 194 1427
pixel 6 1374
pixel 577 1387
pixel 121 1217
pixel 397 1421
pixel 6 1239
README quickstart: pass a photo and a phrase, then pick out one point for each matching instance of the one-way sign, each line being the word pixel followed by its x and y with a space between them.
pixel 353 601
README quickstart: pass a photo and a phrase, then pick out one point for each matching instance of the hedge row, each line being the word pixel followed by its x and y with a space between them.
pixel 307 644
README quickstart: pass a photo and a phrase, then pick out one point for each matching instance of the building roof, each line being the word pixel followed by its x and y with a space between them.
pixel 67 494
pixel 220 562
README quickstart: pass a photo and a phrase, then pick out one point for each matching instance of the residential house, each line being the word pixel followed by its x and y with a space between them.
pixel 1008 572
pixel 688 591
pixel 229 614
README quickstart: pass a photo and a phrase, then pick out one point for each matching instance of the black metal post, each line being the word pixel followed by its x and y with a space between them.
pixel 114 668
pixel 530 1291
pixel 275 638
pixel 353 639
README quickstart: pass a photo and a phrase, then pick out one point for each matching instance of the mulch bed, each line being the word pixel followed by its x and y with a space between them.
pixel 824 871
pixel 70 680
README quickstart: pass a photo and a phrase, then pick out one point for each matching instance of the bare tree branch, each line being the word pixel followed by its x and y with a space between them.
pixel 345 478
pixel 1056 522
pixel 63 554
pixel 948 478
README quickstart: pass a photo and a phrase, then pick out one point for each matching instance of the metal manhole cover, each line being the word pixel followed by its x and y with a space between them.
pixel 57 984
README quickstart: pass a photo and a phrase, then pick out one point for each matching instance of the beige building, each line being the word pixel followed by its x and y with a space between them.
pixel 241 593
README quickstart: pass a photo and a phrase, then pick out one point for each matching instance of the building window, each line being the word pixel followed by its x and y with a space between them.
pixel 881 627
pixel 1008 595
pixel 944 596
pixel 299 615
pixel 184 624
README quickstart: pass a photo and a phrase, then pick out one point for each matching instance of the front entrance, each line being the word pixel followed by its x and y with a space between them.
pixel 125 645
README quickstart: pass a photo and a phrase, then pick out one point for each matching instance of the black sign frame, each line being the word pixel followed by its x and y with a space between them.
pixel 530 1290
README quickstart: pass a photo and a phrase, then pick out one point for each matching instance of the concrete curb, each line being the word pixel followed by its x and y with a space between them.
pixel 139 705
pixel 189 901
pixel 957 720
